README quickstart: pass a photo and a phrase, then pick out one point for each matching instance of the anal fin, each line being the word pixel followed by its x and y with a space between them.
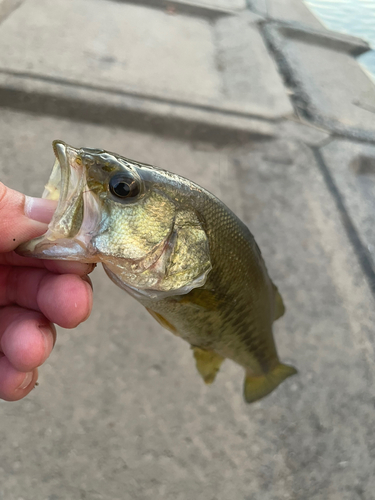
pixel 256 387
pixel 208 363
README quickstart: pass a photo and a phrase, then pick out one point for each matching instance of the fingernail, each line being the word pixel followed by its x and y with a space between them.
pixel 88 280
pixel 48 332
pixel 90 268
pixel 39 209
pixel 26 381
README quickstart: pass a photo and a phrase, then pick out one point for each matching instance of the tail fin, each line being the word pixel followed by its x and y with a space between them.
pixel 257 387
pixel 279 304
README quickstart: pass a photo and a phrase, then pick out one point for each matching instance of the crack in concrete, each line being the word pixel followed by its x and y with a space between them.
pixel 300 99
pixel 363 255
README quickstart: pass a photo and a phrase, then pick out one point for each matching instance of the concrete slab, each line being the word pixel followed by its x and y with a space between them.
pixel 285 10
pixel 292 10
pixel 352 167
pixel 116 51
pixel 246 65
pixel 119 44
pixel 330 88
pixel 124 109
pixel 120 412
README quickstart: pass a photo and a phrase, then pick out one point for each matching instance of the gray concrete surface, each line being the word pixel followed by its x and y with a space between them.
pixel 332 88
pixel 286 10
pixel 7 7
pixel 352 166
pixel 120 412
pixel 125 40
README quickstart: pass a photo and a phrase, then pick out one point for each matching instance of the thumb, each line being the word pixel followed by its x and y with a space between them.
pixel 21 218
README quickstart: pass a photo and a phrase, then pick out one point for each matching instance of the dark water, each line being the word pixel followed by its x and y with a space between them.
pixel 354 17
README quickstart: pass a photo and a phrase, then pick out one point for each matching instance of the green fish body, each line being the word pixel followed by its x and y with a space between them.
pixel 178 250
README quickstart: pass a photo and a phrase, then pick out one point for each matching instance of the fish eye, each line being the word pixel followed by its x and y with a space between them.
pixel 123 186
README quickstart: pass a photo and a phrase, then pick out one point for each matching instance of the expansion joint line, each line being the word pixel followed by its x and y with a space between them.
pixel 363 255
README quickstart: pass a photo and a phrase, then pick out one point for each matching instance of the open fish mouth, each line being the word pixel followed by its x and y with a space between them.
pixel 77 214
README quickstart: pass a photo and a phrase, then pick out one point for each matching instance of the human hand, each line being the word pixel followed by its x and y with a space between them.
pixel 34 294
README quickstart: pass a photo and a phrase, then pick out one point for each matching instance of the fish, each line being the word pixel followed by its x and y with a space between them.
pixel 177 249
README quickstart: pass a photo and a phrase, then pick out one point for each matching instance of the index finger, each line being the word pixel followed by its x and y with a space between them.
pixel 55 266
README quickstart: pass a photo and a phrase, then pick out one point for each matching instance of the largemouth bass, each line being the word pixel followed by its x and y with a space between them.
pixel 175 248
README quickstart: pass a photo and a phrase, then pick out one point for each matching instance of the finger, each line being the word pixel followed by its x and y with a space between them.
pixel 15 385
pixel 26 337
pixel 66 267
pixel 15 226
pixel 20 285
pixel 64 299
pixel 40 209
pixel 13 259
pixel 55 266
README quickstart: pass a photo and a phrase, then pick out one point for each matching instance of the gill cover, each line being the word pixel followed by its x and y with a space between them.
pixel 182 262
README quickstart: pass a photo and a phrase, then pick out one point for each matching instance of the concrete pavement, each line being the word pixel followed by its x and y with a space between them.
pixel 120 412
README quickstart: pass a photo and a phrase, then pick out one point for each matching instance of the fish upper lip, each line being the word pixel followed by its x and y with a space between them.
pixel 59 176
pixel 67 182
pixel 60 150
pixel 56 145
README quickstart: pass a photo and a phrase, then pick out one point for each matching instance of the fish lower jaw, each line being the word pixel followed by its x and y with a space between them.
pixel 57 249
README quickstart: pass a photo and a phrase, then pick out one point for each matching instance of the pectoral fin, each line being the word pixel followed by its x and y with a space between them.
pixel 200 298
pixel 162 321
pixel 256 387
pixel 208 363
pixel 188 262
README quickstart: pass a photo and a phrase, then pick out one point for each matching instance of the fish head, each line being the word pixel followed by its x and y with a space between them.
pixel 137 220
